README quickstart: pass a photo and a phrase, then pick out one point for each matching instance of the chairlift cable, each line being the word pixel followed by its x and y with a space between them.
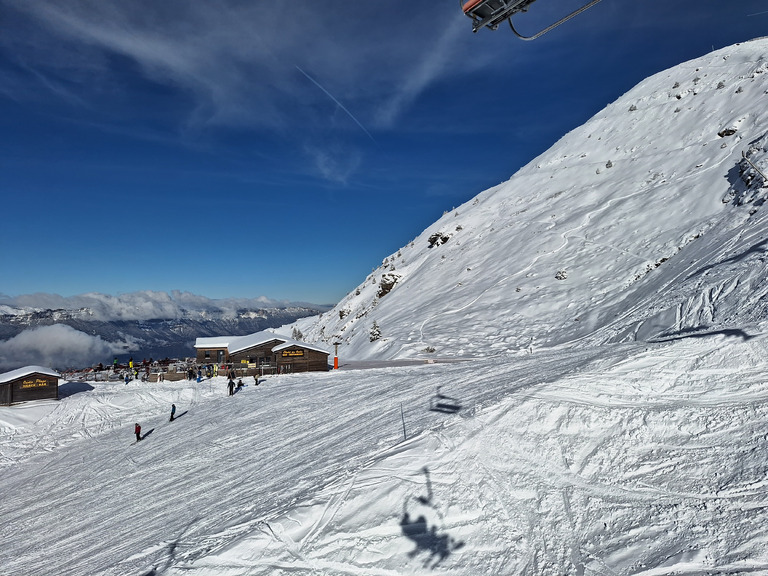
pixel 555 25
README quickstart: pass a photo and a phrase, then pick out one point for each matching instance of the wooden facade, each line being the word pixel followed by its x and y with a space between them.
pixel 262 352
pixel 25 385
pixel 298 359
pixel 216 355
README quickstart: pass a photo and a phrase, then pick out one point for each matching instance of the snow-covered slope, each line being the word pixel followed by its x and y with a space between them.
pixel 612 460
pixel 643 222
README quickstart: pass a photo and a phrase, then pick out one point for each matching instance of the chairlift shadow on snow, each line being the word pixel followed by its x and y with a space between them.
pixel 424 525
pixel 442 403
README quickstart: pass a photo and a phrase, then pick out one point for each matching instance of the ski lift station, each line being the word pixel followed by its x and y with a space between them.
pixel 262 353
pixel 29 383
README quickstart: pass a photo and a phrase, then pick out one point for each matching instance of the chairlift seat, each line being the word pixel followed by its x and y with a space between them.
pixel 491 13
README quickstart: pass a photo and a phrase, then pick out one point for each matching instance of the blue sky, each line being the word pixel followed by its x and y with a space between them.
pixel 232 150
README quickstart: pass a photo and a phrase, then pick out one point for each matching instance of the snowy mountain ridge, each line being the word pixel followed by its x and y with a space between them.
pixel 585 241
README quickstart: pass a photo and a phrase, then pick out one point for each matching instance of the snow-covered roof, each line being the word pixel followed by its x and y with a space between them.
pixel 238 343
pixel 214 342
pixel 26 371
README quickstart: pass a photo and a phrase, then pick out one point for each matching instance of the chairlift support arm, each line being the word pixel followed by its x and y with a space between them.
pixel 555 25
pixel 491 13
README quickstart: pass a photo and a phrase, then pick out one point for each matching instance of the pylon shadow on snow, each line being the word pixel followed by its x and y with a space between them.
pixel 423 524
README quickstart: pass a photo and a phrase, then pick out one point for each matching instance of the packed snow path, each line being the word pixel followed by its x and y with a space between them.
pixel 623 459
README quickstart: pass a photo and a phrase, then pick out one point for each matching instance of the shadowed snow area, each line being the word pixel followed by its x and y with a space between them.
pixel 565 375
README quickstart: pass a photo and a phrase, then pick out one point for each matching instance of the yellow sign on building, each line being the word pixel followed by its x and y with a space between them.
pixel 292 353
pixel 36 383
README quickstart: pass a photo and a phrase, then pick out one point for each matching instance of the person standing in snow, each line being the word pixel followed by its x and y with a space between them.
pixel 137 429
pixel 231 387
pixel 173 411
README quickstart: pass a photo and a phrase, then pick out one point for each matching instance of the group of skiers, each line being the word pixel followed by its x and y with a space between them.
pixel 137 428
pixel 230 385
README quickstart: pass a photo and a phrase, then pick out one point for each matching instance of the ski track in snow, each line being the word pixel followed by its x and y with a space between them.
pixel 625 459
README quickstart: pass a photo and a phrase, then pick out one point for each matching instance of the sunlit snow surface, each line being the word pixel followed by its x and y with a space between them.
pixel 605 412
pixel 622 459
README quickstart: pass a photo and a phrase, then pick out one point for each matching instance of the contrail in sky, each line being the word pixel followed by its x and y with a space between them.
pixel 339 104
pixel 758 13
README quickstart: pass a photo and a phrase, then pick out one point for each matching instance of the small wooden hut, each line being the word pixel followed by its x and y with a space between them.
pixel 29 383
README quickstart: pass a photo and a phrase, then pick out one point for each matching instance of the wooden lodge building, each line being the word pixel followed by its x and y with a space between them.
pixel 29 383
pixel 262 352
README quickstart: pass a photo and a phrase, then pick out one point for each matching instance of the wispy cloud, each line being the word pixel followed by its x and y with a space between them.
pixel 427 68
pixel 334 162
pixel 233 64
pixel 236 59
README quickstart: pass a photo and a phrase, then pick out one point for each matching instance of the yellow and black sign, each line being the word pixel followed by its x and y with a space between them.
pixel 34 383
pixel 292 353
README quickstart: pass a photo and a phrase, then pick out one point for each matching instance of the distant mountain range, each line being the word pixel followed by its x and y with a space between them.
pixel 115 326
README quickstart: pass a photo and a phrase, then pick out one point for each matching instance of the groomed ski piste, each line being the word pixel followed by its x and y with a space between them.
pixel 629 459
pixel 572 382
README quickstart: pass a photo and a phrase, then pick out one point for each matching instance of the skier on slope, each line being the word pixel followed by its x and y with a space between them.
pixel 231 387
pixel 173 411
pixel 137 429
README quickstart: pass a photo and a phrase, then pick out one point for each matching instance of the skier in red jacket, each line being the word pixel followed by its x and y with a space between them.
pixel 138 432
